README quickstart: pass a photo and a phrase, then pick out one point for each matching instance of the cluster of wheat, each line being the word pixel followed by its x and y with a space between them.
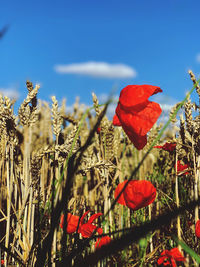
pixel 54 162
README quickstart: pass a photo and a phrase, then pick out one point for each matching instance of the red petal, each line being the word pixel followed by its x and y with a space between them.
pixel 98 130
pixel 100 231
pixel 138 140
pixel 84 215
pixel 87 229
pixel 173 262
pixel 181 168
pixel 118 189
pixel 94 217
pixel 139 122
pixel 197 229
pixel 167 147
pixel 102 242
pixel 176 254
pixel 116 121
pixel 133 95
pixel 164 258
pixel 158 146
pixel 72 223
pixel 139 194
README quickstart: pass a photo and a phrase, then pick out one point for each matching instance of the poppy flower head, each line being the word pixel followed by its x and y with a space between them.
pixel 197 229
pixel 137 194
pixel 75 223
pixel 72 222
pixel 116 121
pixel 98 130
pixel 169 257
pixel 87 229
pixel 135 113
pixel 133 95
pixel 181 168
pixel 170 147
pixel 118 189
pixel 102 241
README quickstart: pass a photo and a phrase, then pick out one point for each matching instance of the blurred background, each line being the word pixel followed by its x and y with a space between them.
pixel 73 48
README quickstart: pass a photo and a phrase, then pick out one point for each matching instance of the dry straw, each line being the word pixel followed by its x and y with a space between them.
pixel 52 162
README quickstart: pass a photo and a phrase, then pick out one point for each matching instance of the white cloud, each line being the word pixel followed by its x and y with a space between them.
pixel 98 69
pixel 9 92
pixel 198 57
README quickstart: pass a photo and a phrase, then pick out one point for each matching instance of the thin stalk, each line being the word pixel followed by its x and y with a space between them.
pixel 178 222
pixel 8 203
pixel 195 180
pixel 151 237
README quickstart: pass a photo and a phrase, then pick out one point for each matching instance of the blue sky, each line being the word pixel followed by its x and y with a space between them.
pixel 51 42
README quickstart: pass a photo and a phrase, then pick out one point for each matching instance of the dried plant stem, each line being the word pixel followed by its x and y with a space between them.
pixel 24 234
pixel 195 180
pixel 198 175
pixel 150 239
pixel 54 245
pixel 9 193
pixel 27 184
pixel 178 222
pixel 106 196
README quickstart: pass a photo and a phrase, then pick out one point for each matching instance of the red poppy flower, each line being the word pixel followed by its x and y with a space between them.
pixel 104 240
pixel 72 222
pixel 137 194
pixel 169 257
pixel 135 113
pixel 181 168
pixel 88 228
pixel 197 229
pixel 98 130
pixel 167 147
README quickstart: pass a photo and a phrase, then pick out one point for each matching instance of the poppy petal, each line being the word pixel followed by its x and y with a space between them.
pixel 87 229
pixel 181 168
pixel 139 122
pixel 138 140
pixel 170 147
pixel 72 223
pixel 169 257
pixel 116 121
pixel 94 217
pixel 84 215
pixel 100 231
pixel 139 194
pixel 176 254
pixel 133 95
pixel 197 229
pixel 102 241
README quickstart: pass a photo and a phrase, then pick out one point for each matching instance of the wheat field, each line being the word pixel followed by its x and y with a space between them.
pixel 53 163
